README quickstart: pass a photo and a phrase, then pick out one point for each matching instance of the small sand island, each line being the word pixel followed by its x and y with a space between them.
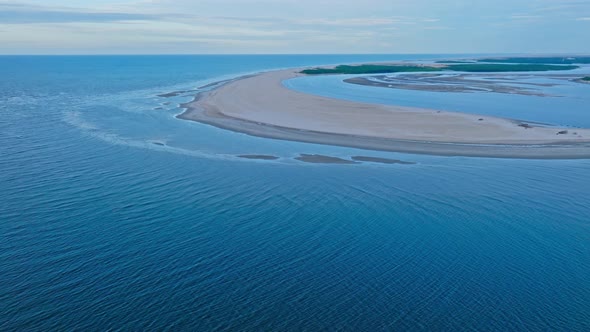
pixel 261 105
pixel 449 83
pixel 258 157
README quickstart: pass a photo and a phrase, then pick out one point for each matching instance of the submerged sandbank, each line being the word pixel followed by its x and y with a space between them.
pixel 381 160
pixel 321 159
pixel 258 157
pixel 260 105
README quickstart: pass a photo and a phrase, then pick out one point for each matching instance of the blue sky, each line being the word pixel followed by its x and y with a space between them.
pixel 293 26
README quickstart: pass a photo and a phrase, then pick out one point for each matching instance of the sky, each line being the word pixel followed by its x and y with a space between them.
pixel 294 26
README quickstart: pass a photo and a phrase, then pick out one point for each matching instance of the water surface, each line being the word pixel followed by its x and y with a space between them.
pixel 565 104
pixel 102 228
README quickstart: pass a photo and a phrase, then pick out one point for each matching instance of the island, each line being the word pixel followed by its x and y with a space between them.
pixel 539 60
pixel 261 105
pixel 465 67
pixel 527 60
pixel 456 82
pixel 583 80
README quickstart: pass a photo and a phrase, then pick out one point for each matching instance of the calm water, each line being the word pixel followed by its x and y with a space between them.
pixel 566 103
pixel 100 228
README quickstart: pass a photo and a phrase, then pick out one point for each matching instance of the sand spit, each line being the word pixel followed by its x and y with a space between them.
pixel 260 105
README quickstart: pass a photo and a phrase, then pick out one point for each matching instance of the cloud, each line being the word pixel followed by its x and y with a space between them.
pixel 349 21
pixel 526 17
pixel 565 6
pixel 292 26
pixel 438 28
pixel 11 13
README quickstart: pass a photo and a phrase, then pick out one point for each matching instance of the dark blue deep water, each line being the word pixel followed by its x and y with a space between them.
pixel 116 215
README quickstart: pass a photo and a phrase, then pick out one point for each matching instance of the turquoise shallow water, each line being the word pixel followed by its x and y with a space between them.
pixel 100 228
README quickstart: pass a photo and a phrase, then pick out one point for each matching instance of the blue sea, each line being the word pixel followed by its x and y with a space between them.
pixel 115 215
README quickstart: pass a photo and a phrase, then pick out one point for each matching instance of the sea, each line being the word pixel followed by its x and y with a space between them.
pixel 115 215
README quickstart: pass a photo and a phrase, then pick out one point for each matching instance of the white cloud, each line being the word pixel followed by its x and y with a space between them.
pixel 293 26
pixel 526 17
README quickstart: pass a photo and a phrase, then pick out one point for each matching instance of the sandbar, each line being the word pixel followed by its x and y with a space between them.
pixel 449 83
pixel 321 159
pixel 380 160
pixel 261 105
pixel 258 156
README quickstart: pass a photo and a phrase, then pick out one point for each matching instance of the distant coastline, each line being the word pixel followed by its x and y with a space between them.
pixel 260 105
pixel 456 67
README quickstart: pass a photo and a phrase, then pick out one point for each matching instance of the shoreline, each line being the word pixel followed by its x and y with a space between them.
pixel 259 105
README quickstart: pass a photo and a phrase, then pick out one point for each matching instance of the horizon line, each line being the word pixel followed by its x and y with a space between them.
pixel 288 54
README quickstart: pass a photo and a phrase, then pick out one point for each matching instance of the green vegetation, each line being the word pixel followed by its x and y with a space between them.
pixel 540 60
pixel 587 79
pixel 476 67
pixel 369 69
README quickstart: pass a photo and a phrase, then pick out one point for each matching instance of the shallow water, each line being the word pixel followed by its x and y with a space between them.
pixel 566 103
pixel 115 215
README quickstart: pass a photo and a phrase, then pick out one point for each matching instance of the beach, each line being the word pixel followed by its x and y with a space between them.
pixel 260 105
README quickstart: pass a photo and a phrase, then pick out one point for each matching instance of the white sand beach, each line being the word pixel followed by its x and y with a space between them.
pixel 260 105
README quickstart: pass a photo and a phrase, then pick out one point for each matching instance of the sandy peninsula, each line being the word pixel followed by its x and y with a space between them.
pixel 261 105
